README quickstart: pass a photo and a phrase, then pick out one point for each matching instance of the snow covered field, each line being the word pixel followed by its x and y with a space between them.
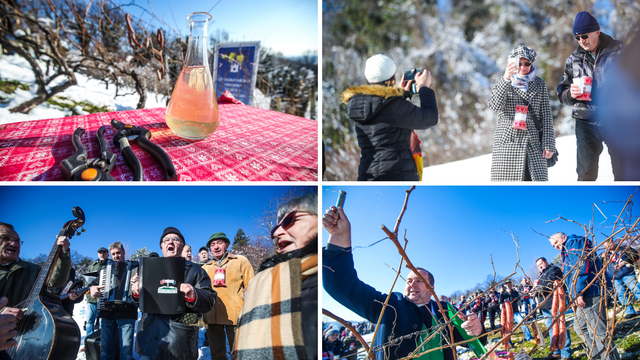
pixel 477 170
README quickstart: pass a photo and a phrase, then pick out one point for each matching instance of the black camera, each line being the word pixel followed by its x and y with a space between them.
pixel 411 75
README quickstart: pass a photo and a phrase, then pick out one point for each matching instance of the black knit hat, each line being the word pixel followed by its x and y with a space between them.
pixel 171 230
pixel 203 248
pixel 584 24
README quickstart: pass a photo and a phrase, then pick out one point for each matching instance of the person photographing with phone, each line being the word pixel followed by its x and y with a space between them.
pixel 524 138
pixel 385 120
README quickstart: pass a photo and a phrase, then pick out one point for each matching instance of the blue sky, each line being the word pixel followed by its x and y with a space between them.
pixel 134 215
pixel 286 26
pixel 454 231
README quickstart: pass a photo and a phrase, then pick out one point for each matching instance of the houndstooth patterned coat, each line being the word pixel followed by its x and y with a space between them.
pixel 512 147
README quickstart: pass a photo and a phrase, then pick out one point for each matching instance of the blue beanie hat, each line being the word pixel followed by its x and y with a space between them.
pixel 585 23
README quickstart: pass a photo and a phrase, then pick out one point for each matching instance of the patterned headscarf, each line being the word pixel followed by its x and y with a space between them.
pixel 522 81
pixel 523 52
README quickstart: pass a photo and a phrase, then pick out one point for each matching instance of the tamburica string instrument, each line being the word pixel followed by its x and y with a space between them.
pixel 47 331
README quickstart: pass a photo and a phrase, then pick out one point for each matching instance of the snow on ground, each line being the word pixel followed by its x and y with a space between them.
pixel 13 67
pixel 79 314
pixel 477 170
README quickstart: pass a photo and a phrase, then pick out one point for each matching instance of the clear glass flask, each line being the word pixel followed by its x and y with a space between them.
pixel 192 112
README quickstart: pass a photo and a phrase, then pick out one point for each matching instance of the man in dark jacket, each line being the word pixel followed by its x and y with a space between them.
pixel 549 274
pixel 118 322
pixel 596 52
pixel 385 120
pixel 622 272
pixel 296 267
pixel 173 337
pixel 92 310
pixel 589 307
pixel 410 317
pixel 493 304
pixel 512 294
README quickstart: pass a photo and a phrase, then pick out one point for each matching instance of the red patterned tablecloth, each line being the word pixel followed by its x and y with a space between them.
pixel 250 145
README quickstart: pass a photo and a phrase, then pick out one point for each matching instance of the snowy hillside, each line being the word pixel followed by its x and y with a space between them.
pixel 477 170
pixel 88 90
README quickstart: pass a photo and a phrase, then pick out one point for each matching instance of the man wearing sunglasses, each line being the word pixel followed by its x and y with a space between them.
pixel 286 286
pixel 596 52
pixel 230 276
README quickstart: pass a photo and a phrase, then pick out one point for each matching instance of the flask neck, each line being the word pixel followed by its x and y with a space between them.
pixel 197 54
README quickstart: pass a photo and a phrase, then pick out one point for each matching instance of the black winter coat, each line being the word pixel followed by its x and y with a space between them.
pixel 545 284
pixel 578 64
pixel 161 338
pixel 384 122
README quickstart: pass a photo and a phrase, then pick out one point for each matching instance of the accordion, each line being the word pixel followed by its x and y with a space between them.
pixel 115 279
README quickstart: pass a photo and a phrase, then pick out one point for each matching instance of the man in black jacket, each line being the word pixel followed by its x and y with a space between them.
pixel 172 337
pixel 596 52
pixel 549 274
pixel 511 293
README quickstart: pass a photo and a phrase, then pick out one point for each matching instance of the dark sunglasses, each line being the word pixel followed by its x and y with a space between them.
pixel 288 220
pixel 525 64
pixel 583 37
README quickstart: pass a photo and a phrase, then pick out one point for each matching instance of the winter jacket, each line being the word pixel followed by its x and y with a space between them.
pixel 160 337
pixel 309 295
pixel 492 301
pixel 18 278
pixel 513 148
pixel 238 272
pixel 384 122
pixel 401 318
pixel 585 272
pixel 580 63
pixel 614 273
pixel 545 284
pixel 95 267
pixel 121 311
pixel 514 296
pixel 335 347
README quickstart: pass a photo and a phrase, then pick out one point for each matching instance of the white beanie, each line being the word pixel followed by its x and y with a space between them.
pixel 379 68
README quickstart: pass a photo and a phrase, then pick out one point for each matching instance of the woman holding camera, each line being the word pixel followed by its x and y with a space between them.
pixel 519 97
pixel 385 120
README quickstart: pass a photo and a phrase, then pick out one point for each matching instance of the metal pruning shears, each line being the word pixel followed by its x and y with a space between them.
pixel 78 167
pixel 128 132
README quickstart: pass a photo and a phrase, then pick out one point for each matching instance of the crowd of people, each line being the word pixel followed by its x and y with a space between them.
pixel 415 314
pixel 220 292
pixel 524 140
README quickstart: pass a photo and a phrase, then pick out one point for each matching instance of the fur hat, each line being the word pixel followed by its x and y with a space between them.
pixel 523 52
pixel 379 68
pixel 584 24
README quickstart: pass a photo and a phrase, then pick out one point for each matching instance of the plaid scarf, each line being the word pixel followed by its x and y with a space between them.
pixel 270 324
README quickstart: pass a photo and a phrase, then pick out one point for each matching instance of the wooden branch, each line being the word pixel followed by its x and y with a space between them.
pixel 354 331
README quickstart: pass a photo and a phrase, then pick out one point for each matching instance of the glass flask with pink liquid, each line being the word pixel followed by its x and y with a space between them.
pixel 192 112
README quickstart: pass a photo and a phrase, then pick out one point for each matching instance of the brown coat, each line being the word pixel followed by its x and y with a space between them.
pixel 230 298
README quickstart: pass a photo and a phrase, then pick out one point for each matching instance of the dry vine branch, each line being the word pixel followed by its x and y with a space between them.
pixel 354 331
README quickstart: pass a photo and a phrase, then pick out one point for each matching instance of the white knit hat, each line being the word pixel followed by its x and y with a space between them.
pixel 379 68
